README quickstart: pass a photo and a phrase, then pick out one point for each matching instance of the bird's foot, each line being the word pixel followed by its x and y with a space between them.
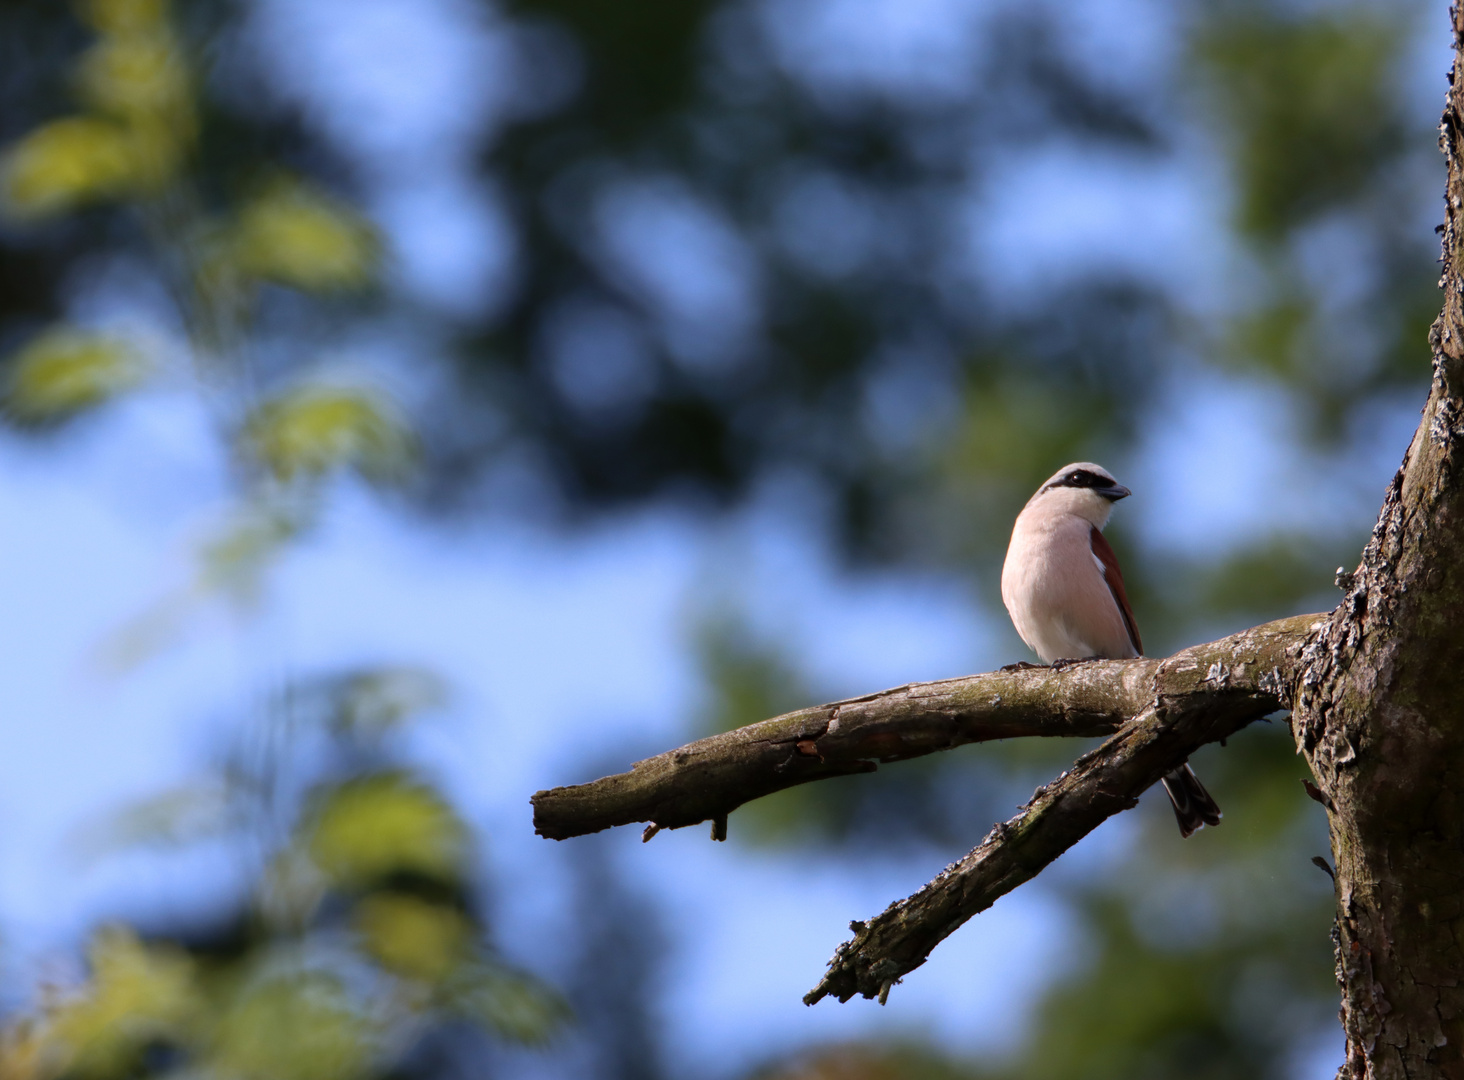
pixel 1058 665
pixel 1020 665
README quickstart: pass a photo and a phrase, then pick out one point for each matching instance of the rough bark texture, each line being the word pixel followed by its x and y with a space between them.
pixel 706 780
pixel 1380 718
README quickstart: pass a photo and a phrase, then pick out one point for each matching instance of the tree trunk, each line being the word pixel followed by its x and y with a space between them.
pixel 1380 717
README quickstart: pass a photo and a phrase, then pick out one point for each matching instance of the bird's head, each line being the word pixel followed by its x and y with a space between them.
pixel 1082 488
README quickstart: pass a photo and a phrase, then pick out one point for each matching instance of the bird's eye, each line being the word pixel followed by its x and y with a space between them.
pixel 1077 478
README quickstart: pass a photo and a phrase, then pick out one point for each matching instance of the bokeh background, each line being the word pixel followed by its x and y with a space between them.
pixel 411 404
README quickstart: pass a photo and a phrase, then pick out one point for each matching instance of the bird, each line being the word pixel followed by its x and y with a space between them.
pixel 1063 589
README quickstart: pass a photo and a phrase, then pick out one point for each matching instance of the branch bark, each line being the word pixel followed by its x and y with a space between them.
pixel 1161 711
pixel 708 779
pixel 1200 695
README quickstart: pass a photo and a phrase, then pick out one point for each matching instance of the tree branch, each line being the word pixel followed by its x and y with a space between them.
pixel 708 779
pixel 1161 711
pixel 1198 696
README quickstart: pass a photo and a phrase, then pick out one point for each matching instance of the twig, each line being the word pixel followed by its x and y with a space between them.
pixel 1317 794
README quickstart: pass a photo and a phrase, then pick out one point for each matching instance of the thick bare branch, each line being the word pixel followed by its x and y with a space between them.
pixel 707 779
pixel 1194 697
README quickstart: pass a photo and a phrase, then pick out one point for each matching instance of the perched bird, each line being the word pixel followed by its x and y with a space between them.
pixel 1062 587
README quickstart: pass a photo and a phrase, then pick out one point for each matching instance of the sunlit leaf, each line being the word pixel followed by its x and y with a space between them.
pixel 297 236
pixel 69 163
pixel 123 16
pixel 512 1004
pixel 234 558
pixel 231 563
pixel 65 371
pixel 413 937
pixel 136 994
pixel 365 829
pixel 25 1053
pixel 292 1027
pixel 136 75
pixel 315 430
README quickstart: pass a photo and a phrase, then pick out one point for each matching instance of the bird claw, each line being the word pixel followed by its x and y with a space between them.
pixel 1020 665
pixel 1058 665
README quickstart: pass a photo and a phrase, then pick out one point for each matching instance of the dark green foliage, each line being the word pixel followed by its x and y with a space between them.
pixel 641 61
pixel 1312 104
pixel 872 1061
pixel 792 388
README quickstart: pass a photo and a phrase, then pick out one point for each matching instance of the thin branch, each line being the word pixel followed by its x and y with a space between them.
pixel 708 779
pixel 1198 696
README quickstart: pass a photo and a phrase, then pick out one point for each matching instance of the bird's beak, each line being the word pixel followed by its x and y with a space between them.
pixel 1114 493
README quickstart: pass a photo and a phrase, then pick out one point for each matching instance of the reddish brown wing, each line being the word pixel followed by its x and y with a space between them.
pixel 1114 577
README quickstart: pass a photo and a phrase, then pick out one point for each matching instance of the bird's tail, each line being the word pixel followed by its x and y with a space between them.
pixel 1193 806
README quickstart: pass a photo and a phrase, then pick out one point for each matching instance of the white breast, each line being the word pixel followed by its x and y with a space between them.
pixel 1055 590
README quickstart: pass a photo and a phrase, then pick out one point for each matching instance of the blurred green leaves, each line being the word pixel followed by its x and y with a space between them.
pixel 373 867
pixel 184 815
pixel 66 164
pixel 412 937
pixel 292 1026
pixel 1279 338
pixel 870 1061
pixel 293 444
pixel 380 699
pixel 66 371
pixel 1013 431
pixel 123 16
pixel 137 74
pixel 642 58
pixel 137 994
pixel 315 430
pixel 749 676
pixel 1327 162
pixel 293 234
pixel 1311 104
pixel 1272 578
pixel 361 935
pixel 517 1007
pixel 132 142
pixel 371 827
